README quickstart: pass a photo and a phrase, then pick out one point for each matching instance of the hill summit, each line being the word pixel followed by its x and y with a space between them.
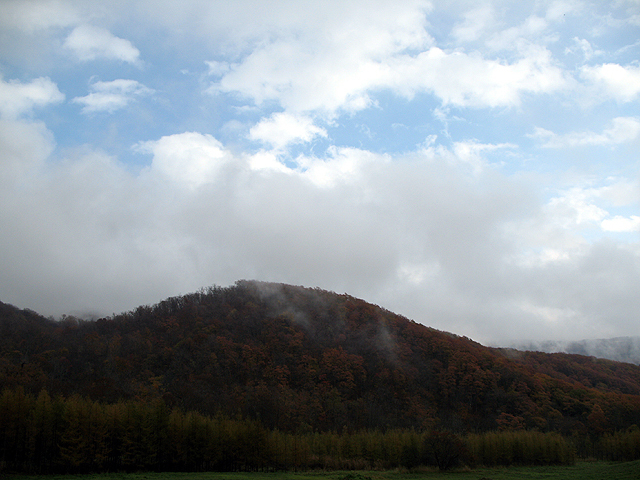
pixel 303 359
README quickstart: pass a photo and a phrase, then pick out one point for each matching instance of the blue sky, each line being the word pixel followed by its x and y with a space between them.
pixel 472 165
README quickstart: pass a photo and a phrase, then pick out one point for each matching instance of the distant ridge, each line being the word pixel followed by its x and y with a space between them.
pixel 619 349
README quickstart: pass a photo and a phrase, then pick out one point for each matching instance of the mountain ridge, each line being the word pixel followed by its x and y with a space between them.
pixel 301 358
pixel 619 349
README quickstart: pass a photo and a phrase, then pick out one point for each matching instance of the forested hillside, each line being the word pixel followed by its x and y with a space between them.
pixel 300 359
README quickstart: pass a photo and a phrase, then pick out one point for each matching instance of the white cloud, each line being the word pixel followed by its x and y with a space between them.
pixel 301 82
pixel 190 159
pixel 89 42
pixel 336 68
pixel 332 81
pixel 25 144
pixel 35 15
pixel 469 153
pixel 632 11
pixel 614 81
pixel 282 129
pixel 619 192
pixel 537 28
pixel 24 147
pixel 621 224
pixel 622 130
pixel 267 161
pixel 589 205
pixel 575 208
pixel 472 81
pixel 239 26
pixel 111 96
pixel 328 65
pixel 340 166
pixel 585 47
pixel 512 37
pixel 217 69
pixel 474 23
pixel 18 98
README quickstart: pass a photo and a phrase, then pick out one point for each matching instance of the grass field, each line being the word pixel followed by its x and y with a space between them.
pixel 580 471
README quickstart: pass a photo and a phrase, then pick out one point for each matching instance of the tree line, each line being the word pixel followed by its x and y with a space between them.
pixel 44 434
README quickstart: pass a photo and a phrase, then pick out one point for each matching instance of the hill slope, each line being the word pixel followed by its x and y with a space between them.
pixel 300 359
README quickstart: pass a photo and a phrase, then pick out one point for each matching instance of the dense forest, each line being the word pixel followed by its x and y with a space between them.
pixel 291 364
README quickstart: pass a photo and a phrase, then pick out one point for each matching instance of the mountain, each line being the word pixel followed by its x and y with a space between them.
pixel 620 349
pixel 302 359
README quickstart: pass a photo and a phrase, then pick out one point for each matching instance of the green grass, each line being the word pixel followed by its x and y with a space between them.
pixel 580 471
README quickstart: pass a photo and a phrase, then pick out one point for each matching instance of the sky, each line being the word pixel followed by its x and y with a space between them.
pixel 471 165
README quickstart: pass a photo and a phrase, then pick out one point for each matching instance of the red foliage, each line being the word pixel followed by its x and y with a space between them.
pixel 306 358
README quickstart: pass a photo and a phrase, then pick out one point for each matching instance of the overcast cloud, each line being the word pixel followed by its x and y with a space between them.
pixel 473 166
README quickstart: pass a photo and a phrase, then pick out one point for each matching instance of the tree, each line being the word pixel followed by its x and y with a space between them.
pixel 74 441
pixel 445 449
pixel 46 424
pixel 598 422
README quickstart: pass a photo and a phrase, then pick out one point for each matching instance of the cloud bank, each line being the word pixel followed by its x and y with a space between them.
pixel 471 167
